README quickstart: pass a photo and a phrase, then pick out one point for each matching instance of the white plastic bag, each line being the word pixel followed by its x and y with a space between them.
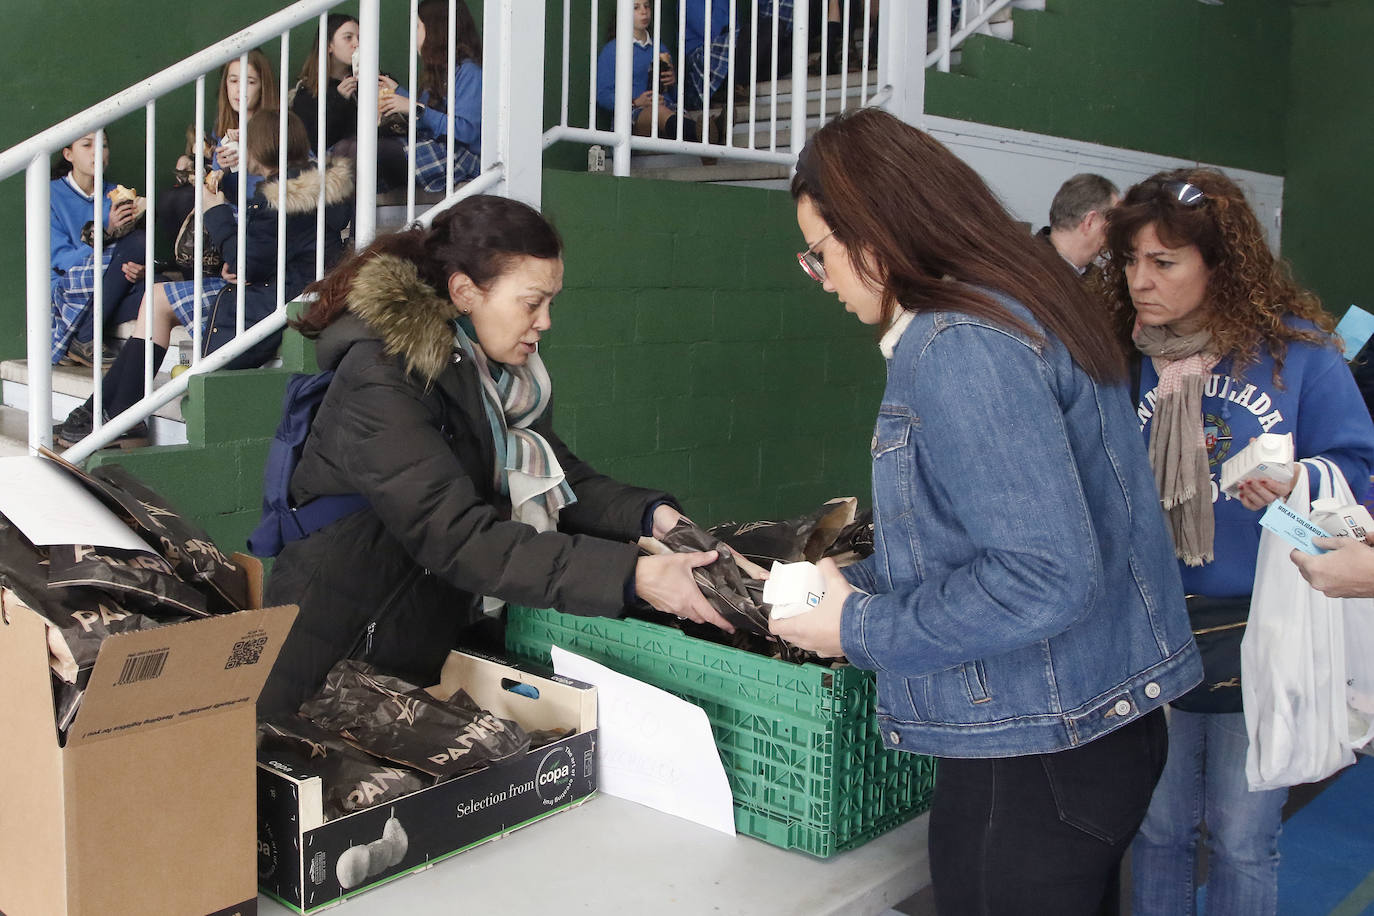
pixel 1298 713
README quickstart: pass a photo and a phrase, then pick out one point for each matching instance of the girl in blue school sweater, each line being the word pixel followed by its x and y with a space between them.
pixel 433 125
pixel 1230 348
pixel 72 202
pixel 641 76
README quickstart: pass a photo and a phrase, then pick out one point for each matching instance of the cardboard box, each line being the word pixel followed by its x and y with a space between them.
pixel 298 852
pixel 149 806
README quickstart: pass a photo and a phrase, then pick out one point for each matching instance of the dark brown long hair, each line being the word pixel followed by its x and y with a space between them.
pixel 310 70
pixel 1249 293
pixel 478 236
pixel 262 145
pixel 923 227
pixel 467 45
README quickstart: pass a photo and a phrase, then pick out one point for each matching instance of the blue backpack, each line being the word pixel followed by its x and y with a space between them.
pixel 282 522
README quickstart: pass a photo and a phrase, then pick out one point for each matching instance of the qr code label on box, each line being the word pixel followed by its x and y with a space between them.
pixel 246 652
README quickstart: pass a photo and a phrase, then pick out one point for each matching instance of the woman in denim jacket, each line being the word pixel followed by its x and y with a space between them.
pixel 1022 608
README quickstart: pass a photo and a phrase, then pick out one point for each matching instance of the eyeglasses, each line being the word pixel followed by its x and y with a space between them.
pixel 1190 195
pixel 813 263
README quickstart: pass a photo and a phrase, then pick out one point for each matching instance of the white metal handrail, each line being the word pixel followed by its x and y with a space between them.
pixel 974 15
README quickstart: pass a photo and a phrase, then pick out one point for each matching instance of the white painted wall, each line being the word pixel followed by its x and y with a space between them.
pixel 1025 169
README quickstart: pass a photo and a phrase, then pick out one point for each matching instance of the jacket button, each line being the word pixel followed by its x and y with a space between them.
pixel 1122 708
pixel 457 356
pixel 896 738
pixel 1152 690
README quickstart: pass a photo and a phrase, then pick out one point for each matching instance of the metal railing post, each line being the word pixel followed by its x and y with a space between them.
pixel 944 24
pixel 38 271
pixel 513 102
pixel 365 189
pixel 624 91
pixel 901 73
pixel 800 45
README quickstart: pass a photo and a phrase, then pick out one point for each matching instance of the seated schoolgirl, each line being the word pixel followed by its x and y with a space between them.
pixel 256 269
pixel 73 257
pixel 434 125
pixel 341 91
pixel 175 205
pixel 641 77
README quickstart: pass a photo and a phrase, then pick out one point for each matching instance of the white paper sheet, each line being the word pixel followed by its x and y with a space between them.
pixel 51 507
pixel 654 748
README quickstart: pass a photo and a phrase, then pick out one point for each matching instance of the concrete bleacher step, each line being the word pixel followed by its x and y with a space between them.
pixel 767 134
pixel 723 171
pixel 71 386
pixel 14 432
pixel 834 82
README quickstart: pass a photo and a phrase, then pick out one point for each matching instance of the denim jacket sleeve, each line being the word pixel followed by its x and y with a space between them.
pixel 989 451
pixel 860 575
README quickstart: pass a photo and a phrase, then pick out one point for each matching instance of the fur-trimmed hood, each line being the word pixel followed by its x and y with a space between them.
pixel 406 313
pixel 303 188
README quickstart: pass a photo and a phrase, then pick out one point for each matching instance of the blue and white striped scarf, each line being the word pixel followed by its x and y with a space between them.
pixel 526 468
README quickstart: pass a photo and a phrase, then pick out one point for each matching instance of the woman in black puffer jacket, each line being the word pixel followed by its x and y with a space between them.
pixel 438 415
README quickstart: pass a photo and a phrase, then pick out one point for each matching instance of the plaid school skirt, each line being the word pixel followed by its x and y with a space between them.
pixel 71 298
pixel 431 163
pixel 181 295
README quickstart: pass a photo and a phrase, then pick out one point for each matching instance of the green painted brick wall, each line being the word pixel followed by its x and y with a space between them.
pixel 1328 213
pixel 1174 77
pixel 690 352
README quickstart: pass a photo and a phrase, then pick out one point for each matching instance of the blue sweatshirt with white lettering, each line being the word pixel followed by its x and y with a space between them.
pixel 1318 402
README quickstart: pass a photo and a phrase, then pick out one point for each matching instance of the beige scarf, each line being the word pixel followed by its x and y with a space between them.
pixel 1178 449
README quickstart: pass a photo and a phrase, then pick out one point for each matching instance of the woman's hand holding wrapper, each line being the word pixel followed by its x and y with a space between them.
pixel 818 630
pixel 666 582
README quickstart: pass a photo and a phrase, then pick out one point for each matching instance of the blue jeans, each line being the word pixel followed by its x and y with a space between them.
pixel 1204 779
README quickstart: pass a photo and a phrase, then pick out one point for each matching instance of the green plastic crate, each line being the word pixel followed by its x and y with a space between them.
pixel 799 743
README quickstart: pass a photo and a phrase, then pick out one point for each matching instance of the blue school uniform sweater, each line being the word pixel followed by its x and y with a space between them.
pixel 641 72
pixel 696 22
pixel 1319 404
pixel 467 108
pixel 70 210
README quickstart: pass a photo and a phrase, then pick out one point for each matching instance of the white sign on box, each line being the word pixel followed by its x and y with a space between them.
pixel 793 588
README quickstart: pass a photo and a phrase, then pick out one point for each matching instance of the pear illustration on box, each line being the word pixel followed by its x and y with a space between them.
pixel 358 863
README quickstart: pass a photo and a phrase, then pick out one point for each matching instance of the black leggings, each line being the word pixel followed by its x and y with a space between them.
pixel 392 162
pixel 1044 833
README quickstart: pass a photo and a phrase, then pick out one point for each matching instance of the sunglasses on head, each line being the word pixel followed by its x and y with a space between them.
pixel 812 262
pixel 1190 195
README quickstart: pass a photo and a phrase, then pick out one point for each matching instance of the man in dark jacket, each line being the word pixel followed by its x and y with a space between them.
pixel 1078 219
